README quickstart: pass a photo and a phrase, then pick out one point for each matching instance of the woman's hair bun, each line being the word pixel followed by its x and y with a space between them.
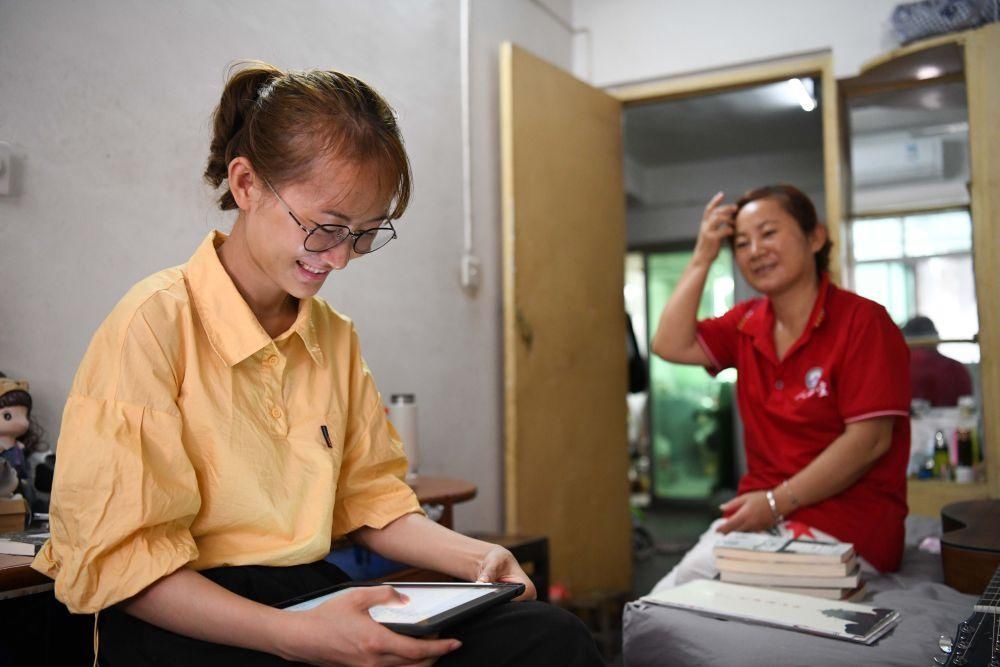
pixel 240 98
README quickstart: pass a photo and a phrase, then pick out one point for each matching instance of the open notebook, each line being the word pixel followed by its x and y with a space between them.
pixel 829 618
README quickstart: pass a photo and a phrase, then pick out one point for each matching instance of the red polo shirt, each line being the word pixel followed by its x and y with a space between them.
pixel 851 363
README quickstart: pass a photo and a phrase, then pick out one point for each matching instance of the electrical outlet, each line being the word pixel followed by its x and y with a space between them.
pixel 471 273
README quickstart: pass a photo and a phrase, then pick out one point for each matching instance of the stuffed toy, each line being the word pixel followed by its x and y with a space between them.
pixel 19 435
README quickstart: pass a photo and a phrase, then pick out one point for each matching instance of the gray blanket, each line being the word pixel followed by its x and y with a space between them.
pixel 655 635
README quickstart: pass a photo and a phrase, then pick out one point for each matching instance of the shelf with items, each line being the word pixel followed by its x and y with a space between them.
pixel 926 497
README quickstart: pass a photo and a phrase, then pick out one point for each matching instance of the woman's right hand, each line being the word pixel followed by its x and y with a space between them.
pixel 717 224
pixel 341 632
pixel 676 337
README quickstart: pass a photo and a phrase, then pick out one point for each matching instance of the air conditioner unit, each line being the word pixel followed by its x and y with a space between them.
pixel 896 158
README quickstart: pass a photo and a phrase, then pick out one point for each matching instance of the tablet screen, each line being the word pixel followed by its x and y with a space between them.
pixel 426 601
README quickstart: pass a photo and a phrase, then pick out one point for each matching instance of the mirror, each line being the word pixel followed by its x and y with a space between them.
pixel 909 239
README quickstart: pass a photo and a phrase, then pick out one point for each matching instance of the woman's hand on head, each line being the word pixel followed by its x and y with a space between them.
pixel 747 513
pixel 499 564
pixel 717 224
pixel 341 632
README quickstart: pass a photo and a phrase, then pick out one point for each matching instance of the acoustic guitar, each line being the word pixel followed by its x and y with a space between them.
pixel 977 639
pixel 970 544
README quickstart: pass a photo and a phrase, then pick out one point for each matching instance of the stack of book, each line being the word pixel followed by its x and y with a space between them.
pixel 23 543
pixel 790 565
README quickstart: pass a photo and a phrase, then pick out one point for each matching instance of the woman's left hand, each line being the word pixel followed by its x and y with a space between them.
pixel 748 513
pixel 500 565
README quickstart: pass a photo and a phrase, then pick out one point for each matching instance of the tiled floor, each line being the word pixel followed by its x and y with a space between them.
pixel 673 531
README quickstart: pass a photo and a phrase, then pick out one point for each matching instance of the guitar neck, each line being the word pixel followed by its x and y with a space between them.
pixel 989 601
pixel 976 641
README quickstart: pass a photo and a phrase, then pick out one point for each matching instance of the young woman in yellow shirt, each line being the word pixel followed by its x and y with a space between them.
pixel 223 428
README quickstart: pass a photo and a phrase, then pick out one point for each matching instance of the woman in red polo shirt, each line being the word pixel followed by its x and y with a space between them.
pixel 823 386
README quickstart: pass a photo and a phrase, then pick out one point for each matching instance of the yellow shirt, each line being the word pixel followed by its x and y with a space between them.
pixel 190 437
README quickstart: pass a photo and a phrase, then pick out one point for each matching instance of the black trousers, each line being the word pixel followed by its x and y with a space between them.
pixel 517 633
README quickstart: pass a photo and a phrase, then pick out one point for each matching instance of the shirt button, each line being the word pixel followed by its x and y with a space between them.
pixel 779 385
pixel 272 360
pixel 276 413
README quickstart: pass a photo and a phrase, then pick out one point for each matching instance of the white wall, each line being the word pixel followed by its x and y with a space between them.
pixel 111 101
pixel 631 40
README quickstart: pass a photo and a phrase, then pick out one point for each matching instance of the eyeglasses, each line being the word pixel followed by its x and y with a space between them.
pixel 323 237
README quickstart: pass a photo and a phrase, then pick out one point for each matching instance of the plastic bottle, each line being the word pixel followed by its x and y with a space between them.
pixel 942 463
pixel 968 418
pixel 963 471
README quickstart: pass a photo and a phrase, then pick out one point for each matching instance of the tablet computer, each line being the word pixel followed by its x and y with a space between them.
pixel 432 606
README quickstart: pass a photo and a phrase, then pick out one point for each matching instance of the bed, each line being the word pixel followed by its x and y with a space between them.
pixel 656 635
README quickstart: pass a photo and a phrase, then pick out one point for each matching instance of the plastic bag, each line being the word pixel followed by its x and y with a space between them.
pixel 916 20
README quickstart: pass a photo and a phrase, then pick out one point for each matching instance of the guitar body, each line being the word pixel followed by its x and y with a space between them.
pixel 970 544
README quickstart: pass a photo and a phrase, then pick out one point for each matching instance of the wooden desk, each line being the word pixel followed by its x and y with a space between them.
pixel 443 491
pixel 17 578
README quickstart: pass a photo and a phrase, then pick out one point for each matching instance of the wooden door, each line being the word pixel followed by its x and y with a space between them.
pixel 564 321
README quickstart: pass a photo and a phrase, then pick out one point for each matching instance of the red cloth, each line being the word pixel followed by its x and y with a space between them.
pixel 937 378
pixel 850 364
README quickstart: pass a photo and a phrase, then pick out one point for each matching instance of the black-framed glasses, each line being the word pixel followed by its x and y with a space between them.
pixel 323 237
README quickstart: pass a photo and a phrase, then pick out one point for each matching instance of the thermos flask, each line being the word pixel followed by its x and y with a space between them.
pixel 403 415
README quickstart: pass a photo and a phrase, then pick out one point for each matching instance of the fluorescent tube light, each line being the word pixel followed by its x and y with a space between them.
pixel 803 91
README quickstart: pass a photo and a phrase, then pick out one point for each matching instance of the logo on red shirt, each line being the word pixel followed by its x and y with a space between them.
pixel 815 385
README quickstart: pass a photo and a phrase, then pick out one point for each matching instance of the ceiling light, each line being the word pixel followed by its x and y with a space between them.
pixel 803 90
pixel 928 72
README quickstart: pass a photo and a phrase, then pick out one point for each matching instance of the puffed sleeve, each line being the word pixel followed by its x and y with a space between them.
pixel 125 493
pixel 370 490
pixel 874 378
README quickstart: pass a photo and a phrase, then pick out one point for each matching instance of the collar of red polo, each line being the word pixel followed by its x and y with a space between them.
pixel 758 322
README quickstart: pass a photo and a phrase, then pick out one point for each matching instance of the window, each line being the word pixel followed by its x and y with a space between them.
pixel 920 264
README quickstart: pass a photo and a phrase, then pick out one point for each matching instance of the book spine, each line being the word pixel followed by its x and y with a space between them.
pixel 782 557
pixel 764 567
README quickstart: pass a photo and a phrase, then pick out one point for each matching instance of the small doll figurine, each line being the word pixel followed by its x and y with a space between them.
pixel 19 435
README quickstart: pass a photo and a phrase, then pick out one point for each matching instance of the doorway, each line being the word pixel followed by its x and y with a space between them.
pixel 678 153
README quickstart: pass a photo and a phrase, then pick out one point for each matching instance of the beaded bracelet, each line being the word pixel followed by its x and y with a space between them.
pixel 773 504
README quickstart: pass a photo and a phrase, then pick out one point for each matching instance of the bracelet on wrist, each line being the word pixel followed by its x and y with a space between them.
pixel 773 504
